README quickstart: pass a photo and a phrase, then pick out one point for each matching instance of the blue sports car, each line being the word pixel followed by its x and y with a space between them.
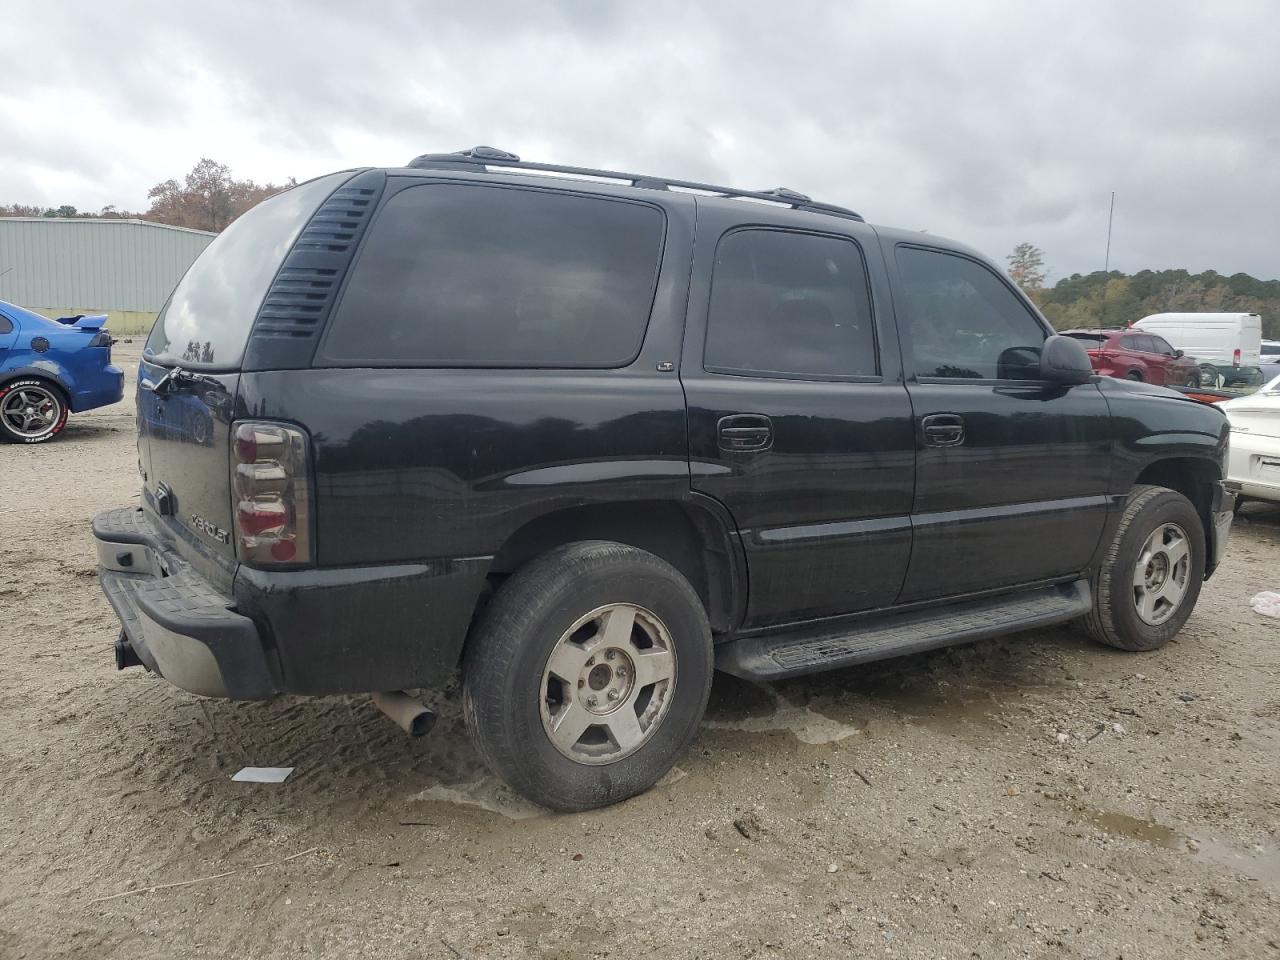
pixel 49 369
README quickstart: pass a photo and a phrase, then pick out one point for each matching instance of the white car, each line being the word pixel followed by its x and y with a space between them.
pixel 1253 468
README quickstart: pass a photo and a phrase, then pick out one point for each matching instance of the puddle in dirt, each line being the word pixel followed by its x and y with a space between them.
pixel 484 794
pixel 767 710
pixel 1260 863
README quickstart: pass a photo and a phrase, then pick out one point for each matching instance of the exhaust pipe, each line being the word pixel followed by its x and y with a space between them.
pixel 410 715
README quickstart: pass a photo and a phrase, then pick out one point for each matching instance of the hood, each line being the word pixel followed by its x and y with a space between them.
pixel 1141 388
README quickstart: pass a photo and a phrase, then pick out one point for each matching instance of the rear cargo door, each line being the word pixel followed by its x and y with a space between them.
pixel 183 438
pixel 189 375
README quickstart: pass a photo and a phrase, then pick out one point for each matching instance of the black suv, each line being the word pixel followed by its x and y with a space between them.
pixel 588 435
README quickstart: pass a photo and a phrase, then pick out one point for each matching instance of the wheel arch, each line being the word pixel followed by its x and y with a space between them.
pixel 694 536
pixel 51 374
pixel 1193 477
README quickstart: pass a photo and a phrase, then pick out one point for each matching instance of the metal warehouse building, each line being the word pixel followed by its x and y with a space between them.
pixel 123 268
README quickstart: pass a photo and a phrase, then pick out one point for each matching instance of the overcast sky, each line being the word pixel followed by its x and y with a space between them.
pixel 990 123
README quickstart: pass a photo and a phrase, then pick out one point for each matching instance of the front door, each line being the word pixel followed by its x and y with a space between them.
pixel 1011 471
pixel 799 422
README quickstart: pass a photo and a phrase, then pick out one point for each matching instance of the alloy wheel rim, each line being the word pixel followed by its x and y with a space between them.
pixel 608 684
pixel 30 412
pixel 1161 573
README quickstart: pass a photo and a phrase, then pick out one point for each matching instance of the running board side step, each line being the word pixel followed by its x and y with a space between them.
pixel 773 656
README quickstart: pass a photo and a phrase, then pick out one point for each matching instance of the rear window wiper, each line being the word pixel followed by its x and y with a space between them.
pixel 176 378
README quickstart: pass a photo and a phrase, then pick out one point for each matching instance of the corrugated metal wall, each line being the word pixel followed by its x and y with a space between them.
pixel 93 264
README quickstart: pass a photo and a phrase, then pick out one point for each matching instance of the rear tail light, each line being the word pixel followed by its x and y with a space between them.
pixel 269 471
pixel 1235 357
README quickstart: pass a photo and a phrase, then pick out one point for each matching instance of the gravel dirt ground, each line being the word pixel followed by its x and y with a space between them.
pixel 1038 796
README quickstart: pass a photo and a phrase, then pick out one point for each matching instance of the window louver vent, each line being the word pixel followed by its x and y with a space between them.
pixel 296 301
pixel 302 293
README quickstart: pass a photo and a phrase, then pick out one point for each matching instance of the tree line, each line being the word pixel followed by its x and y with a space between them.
pixel 1112 299
pixel 207 198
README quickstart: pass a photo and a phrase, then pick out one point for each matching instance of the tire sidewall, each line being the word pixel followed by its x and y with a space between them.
pixel 63 410
pixel 542 771
pixel 1167 507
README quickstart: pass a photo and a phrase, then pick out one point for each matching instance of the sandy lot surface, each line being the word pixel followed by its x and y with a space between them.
pixel 926 807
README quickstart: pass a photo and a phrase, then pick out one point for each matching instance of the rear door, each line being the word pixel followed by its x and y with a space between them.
pixel 1011 471
pixel 8 336
pixel 799 422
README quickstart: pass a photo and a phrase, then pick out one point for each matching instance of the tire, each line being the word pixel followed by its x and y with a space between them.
pixel 1133 375
pixel 1209 375
pixel 1193 378
pixel 32 410
pixel 1117 618
pixel 543 625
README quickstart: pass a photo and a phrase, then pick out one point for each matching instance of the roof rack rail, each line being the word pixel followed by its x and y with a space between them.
pixel 480 158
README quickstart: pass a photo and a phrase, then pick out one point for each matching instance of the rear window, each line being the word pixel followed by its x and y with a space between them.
pixel 207 319
pixel 469 275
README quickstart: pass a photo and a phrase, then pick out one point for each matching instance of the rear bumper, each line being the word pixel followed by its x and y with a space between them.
pixel 316 631
pixel 102 390
pixel 1253 466
pixel 175 623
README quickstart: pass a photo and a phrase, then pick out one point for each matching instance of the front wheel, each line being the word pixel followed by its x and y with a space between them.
pixel 587 675
pixel 1209 375
pixel 1151 576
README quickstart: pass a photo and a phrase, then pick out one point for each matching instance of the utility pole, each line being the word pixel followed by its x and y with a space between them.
pixel 1106 267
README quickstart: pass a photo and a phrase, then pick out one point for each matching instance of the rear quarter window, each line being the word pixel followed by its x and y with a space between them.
pixel 475 275
pixel 207 320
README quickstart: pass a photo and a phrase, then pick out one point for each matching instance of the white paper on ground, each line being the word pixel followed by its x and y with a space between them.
pixel 263 774
pixel 1267 603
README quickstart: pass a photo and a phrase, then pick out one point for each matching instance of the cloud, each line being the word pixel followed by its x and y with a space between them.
pixel 990 122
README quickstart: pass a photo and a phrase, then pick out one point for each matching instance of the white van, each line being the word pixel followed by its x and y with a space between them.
pixel 1225 345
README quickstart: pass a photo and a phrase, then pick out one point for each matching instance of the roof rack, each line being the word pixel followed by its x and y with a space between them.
pixel 480 158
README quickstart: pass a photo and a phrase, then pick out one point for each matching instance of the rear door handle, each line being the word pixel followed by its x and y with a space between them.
pixel 942 429
pixel 744 432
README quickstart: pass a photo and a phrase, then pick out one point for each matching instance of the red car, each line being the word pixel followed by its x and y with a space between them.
pixel 1134 355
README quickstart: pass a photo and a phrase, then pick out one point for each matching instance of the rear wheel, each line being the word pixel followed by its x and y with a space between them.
pixel 1133 375
pixel 31 411
pixel 587 675
pixel 1151 576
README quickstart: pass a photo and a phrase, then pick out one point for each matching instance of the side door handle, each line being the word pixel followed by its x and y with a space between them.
pixel 744 432
pixel 942 429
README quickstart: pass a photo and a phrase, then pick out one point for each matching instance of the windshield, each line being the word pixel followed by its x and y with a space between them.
pixel 206 322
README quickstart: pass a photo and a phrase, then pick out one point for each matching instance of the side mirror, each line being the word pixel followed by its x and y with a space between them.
pixel 1063 360
pixel 1178 353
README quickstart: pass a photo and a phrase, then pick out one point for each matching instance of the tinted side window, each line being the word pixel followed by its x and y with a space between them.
pixel 1143 343
pixel 790 305
pixel 1162 346
pixel 463 275
pixel 964 321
